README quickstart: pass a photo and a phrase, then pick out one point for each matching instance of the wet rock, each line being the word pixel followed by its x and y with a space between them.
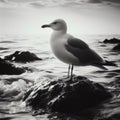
pixel 9 69
pixel 117 47
pixel 22 56
pixel 66 96
pixel 113 40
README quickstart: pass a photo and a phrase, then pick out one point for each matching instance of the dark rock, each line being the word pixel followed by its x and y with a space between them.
pixel 9 69
pixel 113 40
pixel 66 96
pixel 22 56
pixel 117 47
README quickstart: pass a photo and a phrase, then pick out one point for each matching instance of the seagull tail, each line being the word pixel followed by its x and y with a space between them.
pixel 109 63
pixel 106 63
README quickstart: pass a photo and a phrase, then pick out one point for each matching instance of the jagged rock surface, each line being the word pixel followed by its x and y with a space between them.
pixel 66 95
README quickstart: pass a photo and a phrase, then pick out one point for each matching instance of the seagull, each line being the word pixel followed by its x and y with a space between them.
pixel 72 50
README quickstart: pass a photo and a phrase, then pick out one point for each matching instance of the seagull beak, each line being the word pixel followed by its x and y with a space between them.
pixel 44 26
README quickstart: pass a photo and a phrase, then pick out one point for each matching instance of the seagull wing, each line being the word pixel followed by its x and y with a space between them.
pixel 77 43
pixel 81 50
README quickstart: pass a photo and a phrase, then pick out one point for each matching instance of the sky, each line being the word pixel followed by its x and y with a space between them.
pixel 82 16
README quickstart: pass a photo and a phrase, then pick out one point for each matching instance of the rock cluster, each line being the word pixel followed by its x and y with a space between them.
pixel 22 56
pixel 113 41
pixel 8 68
pixel 66 95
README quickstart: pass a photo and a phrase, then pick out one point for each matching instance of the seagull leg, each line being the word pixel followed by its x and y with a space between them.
pixel 68 70
pixel 71 72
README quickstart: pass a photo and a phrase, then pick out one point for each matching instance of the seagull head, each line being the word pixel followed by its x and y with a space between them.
pixel 57 25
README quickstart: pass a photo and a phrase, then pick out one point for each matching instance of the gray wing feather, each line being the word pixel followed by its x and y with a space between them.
pixel 82 51
pixel 77 43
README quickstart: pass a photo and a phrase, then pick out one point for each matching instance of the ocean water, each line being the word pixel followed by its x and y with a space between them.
pixel 13 87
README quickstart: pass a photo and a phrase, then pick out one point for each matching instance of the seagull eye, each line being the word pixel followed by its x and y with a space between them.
pixel 55 23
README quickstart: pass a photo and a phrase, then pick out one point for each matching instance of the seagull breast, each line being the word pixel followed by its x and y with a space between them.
pixel 58 45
